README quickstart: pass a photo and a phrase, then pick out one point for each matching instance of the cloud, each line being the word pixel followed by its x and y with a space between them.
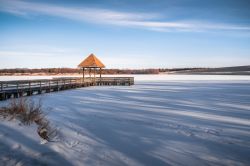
pixel 27 54
pixel 110 17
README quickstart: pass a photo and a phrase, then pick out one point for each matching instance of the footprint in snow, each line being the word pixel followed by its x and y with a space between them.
pixel 20 163
pixel 71 144
pixel 212 131
pixel 16 146
pixel 186 133
pixel 5 158
pixel 3 134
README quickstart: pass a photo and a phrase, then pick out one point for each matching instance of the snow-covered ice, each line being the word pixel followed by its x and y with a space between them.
pixel 147 77
pixel 177 122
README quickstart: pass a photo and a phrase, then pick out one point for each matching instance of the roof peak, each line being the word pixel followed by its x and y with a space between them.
pixel 91 62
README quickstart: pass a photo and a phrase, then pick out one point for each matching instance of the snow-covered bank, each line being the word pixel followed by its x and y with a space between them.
pixel 150 123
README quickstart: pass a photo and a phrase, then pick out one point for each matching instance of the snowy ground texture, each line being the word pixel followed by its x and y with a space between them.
pixel 150 123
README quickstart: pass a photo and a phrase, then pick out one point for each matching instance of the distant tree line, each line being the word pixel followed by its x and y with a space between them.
pixel 23 71
pixel 54 71
pixel 181 69
pixel 130 71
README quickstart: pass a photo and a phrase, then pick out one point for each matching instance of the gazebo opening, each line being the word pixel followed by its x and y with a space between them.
pixel 91 62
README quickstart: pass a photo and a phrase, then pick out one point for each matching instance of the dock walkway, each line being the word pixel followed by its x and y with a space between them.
pixel 20 88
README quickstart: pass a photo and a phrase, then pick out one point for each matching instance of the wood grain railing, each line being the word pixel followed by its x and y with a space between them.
pixel 18 88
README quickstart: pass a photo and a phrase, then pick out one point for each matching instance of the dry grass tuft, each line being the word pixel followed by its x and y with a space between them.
pixel 27 112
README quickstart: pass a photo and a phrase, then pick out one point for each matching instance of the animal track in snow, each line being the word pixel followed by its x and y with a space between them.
pixel 16 146
pixel 71 144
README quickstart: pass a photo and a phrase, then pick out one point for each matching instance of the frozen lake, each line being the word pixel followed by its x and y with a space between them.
pixel 162 120
pixel 148 77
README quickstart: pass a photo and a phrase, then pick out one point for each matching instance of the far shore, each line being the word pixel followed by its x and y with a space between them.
pixel 161 73
pixel 234 70
pixel 40 74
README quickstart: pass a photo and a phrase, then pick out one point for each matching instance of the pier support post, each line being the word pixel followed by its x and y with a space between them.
pixel 16 95
pixel 2 96
pixel 49 86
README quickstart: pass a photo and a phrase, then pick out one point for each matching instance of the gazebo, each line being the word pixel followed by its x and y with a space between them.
pixel 91 62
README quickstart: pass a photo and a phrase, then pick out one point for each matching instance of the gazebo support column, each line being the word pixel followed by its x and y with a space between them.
pixel 100 80
pixel 100 73
pixel 83 74
pixel 94 75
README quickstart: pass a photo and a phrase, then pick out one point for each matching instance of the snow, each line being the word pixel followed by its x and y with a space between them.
pixel 164 122
pixel 148 77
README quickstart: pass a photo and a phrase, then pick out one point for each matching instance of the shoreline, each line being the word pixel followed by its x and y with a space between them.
pixel 161 73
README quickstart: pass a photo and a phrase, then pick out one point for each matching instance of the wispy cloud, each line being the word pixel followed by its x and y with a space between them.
pixel 111 17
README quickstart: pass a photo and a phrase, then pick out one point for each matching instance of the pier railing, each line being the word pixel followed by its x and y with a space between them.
pixel 18 88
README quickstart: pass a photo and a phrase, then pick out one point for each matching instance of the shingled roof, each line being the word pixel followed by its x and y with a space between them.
pixel 91 61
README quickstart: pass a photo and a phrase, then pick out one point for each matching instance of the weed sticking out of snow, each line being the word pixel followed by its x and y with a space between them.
pixel 27 112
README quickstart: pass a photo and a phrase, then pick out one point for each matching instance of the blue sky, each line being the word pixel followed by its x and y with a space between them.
pixel 125 33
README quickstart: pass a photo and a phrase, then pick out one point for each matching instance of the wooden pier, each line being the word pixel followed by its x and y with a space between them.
pixel 20 88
